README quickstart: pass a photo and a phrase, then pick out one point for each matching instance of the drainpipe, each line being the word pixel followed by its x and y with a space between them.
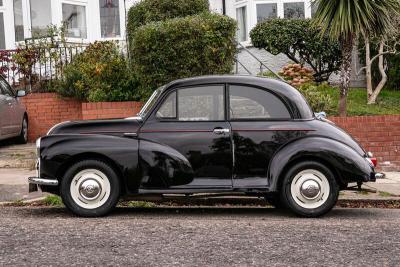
pixel 223 7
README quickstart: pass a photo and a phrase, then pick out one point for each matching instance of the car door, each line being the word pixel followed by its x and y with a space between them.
pixel 190 123
pixel 261 124
pixel 14 116
pixel 5 112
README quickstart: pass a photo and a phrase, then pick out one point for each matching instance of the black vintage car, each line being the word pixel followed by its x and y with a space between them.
pixel 214 134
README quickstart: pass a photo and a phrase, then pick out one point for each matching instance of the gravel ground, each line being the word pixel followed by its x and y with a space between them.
pixel 199 237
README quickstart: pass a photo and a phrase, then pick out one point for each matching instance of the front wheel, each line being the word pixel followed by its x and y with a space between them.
pixel 90 188
pixel 309 189
pixel 23 135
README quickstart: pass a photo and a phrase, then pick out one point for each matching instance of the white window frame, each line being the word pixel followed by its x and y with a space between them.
pixel 58 19
pixel 121 23
pixel 252 11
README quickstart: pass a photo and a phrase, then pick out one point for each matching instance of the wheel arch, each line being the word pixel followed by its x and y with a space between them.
pixel 345 163
pixel 93 156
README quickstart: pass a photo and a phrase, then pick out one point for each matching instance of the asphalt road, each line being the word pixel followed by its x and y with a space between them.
pixel 199 237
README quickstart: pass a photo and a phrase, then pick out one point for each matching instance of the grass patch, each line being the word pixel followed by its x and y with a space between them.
pixel 18 203
pixel 52 200
pixel 384 194
pixel 388 102
pixel 138 204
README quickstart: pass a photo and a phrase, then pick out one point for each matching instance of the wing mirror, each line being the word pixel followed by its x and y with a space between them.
pixel 21 93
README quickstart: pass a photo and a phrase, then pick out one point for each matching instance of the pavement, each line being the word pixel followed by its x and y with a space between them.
pixel 199 237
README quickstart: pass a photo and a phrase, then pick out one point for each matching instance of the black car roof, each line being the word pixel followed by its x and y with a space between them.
pixel 291 95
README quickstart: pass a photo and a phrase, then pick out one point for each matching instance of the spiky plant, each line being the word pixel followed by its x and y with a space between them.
pixel 345 20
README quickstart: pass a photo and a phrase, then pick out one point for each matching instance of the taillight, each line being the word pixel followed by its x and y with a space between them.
pixel 374 161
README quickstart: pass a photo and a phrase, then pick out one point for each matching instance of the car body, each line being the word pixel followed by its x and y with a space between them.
pixel 13 115
pixel 213 134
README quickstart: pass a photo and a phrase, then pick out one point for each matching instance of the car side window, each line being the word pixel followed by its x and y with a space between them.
pixel 201 103
pixel 5 89
pixel 247 102
pixel 168 108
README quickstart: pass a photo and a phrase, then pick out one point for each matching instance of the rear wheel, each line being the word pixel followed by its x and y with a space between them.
pixel 23 136
pixel 90 188
pixel 309 189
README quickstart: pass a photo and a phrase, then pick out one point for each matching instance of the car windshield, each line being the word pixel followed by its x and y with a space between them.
pixel 150 103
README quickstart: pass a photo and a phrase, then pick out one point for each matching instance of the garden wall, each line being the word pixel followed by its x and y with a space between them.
pixel 46 109
pixel 378 134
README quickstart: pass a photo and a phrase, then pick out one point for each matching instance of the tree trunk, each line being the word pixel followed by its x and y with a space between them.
pixel 345 73
pixel 381 65
pixel 368 66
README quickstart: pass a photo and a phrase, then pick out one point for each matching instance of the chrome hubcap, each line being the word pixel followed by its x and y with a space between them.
pixel 310 189
pixel 90 189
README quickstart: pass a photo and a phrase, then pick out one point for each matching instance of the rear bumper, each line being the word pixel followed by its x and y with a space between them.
pixel 34 182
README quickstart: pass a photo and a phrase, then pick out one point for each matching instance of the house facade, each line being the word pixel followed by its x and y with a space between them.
pixel 91 20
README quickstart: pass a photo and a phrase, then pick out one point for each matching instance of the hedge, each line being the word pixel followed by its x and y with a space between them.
pixel 301 42
pixel 147 11
pixel 183 47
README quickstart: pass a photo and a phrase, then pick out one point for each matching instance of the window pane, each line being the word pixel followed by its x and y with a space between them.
pixel 314 7
pixel 242 27
pixel 18 21
pixel 266 11
pixel 252 103
pixel 294 10
pixel 40 16
pixel 109 18
pixel 75 18
pixel 2 35
pixel 168 108
pixel 201 103
pixel 1 2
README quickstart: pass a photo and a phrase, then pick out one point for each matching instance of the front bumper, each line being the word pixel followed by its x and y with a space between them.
pixel 34 182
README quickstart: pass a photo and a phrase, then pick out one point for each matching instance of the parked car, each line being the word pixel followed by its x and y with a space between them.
pixel 216 134
pixel 13 116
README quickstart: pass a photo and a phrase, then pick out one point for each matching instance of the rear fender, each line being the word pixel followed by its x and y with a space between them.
pixel 345 162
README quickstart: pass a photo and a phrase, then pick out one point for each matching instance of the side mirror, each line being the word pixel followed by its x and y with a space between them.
pixel 21 93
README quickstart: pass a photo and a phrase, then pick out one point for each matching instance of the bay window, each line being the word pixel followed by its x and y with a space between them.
pixel 109 18
pixel 2 34
pixel 74 17
pixel 266 11
pixel 294 10
pixel 40 16
pixel 18 21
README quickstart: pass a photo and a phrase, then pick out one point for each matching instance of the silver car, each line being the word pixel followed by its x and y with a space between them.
pixel 13 116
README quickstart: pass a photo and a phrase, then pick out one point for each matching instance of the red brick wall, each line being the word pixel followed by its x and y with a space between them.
pixel 378 134
pixel 107 110
pixel 45 110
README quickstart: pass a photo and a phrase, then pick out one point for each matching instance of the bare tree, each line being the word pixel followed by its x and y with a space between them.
pixel 387 44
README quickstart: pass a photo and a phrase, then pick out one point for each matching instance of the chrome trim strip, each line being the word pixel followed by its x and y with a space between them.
pixel 41 181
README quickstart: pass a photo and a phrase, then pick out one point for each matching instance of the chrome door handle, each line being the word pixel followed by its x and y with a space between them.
pixel 221 131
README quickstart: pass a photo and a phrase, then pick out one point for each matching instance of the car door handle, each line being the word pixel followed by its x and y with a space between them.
pixel 221 131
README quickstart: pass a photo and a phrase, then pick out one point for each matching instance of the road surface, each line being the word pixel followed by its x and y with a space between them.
pixel 199 237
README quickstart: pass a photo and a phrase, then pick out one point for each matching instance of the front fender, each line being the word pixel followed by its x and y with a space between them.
pixel 348 165
pixel 59 151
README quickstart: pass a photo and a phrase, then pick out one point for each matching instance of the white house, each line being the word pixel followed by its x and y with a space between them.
pixel 91 20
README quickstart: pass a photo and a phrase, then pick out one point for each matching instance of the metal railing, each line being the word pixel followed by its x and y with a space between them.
pixel 262 67
pixel 28 67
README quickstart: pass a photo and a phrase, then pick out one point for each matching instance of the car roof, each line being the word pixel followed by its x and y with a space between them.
pixel 291 95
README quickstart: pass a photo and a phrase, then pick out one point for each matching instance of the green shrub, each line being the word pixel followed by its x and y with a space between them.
pixel 300 42
pixel 318 96
pixel 183 47
pixel 100 73
pixel 147 11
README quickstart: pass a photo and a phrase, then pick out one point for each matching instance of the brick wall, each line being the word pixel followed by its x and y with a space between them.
pixel 45 110
pixel 378 134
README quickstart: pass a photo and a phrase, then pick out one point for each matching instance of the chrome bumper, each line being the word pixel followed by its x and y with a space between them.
pixel 35 181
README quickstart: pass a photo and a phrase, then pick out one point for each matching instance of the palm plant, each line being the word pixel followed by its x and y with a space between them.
pixel 344 20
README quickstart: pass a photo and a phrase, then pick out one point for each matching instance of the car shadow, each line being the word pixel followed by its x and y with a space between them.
pixel 210 212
